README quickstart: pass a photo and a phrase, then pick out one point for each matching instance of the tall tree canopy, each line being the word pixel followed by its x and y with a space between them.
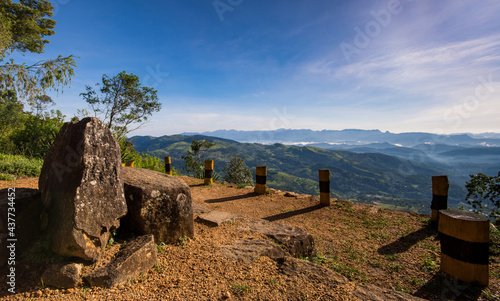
pixel 122 102
pixel 24 26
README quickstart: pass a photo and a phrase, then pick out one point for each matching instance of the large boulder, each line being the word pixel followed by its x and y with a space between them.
pixel 23 207
pixel 82 190
pixel 158 204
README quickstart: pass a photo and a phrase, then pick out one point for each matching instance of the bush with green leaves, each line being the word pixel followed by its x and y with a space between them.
pixel 237 172
pixel 484 195
pixel 20 166
pixel 195 161
pixel 38 133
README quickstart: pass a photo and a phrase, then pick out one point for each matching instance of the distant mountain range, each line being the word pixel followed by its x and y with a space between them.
pixel 353 137
pixel 393 170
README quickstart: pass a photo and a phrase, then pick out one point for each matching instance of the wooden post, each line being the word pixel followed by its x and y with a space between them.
pixel 130 163
pixel 168 162
pixel 260 179
pixel 465 240
pixel 209 170
pixel 324 187
pixel 440 185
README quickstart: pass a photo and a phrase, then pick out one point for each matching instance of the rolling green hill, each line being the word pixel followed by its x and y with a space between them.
pixel 387 180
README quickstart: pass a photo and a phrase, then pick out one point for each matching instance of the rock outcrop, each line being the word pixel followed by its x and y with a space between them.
pixel 158 204
pixel 296 241
pixel 136 257
pixel 81 188
pixel 249 250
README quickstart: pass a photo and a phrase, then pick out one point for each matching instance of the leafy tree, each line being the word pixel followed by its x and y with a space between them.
pixel 11 111
pixel 237 172
pixel 484 194
pixel 194 161
pixel 121 102
pixel 24 27
pixel 38 133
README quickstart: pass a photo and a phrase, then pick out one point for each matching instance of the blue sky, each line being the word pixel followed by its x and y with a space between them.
pixel 400 66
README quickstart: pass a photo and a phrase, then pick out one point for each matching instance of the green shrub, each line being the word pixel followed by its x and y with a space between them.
pixel 35 138
pixel 20 165
pixel 237 172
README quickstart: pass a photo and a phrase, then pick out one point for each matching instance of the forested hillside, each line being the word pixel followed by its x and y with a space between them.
pixel 387 180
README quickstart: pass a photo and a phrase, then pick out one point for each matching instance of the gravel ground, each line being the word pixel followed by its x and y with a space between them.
pixel 391 249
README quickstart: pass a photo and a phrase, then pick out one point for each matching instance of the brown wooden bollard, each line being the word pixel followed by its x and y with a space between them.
pixel 130 163
pixel 440 185
pixel 209 171
pixel 168 162
pixel 324 187
pixel 260 179
pixel 465 240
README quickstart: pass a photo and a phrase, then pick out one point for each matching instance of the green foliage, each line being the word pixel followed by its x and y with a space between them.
pixel 160 247
pixel 494 242
pixel 429 263
pixel 237 172
pixel 35 138
pixel 195 160
pixel 24 27
pixel 242 289
pixel 121 102
pixel 484 194
pixel 20 166
pixel 7 177
pixel 11 114
pixel 111 239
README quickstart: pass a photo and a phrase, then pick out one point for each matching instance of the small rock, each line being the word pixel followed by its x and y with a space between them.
pixel 295 240
pixel 63 275
pixel 136 257
pixel 216 218
pixel 227 295
pixel 290 194
pixel 249 250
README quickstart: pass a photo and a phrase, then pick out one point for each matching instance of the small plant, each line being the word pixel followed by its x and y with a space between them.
pixel 160 247
pixel 160 268
pixel 351 273
pixel 183 241
pixel 319 258
pixel 429 264
pixel 392 257
pixel 394 266
pixel 242 289
pixel 272 281
pixel 111 240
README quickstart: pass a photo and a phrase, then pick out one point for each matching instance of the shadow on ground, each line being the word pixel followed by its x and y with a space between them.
pixel 284 215
pixel 231 198
pixel 443 287
pixel 404 243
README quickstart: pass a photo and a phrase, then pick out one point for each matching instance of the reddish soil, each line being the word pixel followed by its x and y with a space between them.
pixel 391 249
